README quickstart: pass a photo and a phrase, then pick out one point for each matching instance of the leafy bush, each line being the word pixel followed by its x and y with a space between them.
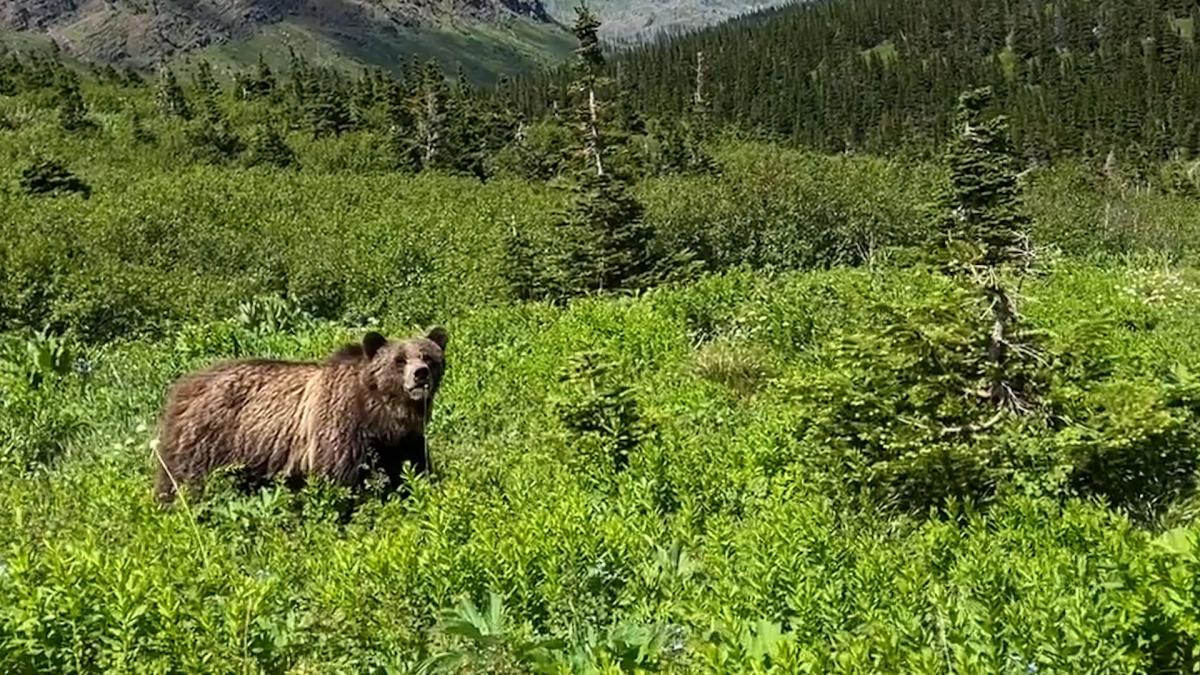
pixel 792 210
pixel 487 643
pixel 270 314
pixel 1139 447
pixel 740 367
pixel 541 152
pixel 37 359
pixel 41 377
pixel 904 397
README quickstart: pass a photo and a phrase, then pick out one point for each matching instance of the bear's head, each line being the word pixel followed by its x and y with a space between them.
pixel 405 371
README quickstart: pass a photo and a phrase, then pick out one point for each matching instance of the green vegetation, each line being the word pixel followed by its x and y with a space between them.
pixel 734 536
pixel 713 404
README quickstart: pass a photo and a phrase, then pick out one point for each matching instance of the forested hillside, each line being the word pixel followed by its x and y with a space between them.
pixel 1075 76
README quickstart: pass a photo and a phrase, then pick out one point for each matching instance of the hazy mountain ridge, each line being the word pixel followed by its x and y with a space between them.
pixel 641 20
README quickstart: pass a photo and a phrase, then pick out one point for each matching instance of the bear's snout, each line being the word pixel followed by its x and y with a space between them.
pixel 418 381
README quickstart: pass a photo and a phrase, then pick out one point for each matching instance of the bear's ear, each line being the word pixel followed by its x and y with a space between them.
pixel 372 343
pixel 438 336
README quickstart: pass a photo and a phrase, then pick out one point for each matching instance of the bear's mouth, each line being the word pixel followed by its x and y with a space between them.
pixel 419 392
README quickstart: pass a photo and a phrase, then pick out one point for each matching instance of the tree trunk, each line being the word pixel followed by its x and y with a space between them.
pixel 594 131
pixel 1000 390
pixel 431 128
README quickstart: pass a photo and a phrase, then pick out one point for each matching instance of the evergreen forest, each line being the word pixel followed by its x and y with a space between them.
pixel 1077 78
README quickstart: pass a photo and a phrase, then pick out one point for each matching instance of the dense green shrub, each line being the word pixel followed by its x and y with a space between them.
pixel 785 210
pixel 1138 448
pixel 541 152
pixel 350 246
pixel 211 140
pixel 275 232
pixel 41 378
pixel 705 498
pixel 708 491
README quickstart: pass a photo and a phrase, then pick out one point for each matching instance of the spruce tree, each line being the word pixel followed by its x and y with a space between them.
pixel 132 78
pixel 681 148
pixel 300 87
pixel 401 143
pixel 427 106
pixel 402 149
pixel 205 82
pixel 10 74
pixel 327 112
pixel 169 96
pixel 211 134
pixel 886 78
pixel 399 125
pixel 208 93
pixel 501 120
pixel 987 225
pixel 262 85
pixel 587 109
pixel 256 84
pixel 42 71
pixel 72 111
pixel 268 148
pixel 465 131
pixel 522 269
pixel 214 139
pixel 698 126
pixel 608 243
pixel 367 95
pixel 137 128
pixel 604 243
pixel 986 235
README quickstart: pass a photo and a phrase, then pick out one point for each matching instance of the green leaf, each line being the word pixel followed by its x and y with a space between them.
pixel 1179 542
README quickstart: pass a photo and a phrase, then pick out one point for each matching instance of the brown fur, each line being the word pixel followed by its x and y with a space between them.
pixel 361 407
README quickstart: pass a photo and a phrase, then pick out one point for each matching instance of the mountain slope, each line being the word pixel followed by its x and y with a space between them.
pixel 486 35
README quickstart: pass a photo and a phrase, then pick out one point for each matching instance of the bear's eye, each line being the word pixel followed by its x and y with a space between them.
pixel 400 359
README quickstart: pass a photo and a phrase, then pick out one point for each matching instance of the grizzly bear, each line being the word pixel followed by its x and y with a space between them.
pixel 363 408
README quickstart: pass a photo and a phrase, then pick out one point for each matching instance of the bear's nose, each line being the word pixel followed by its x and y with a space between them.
pixel 421 373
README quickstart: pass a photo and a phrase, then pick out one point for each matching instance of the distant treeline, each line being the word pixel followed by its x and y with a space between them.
pixel 1076 76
